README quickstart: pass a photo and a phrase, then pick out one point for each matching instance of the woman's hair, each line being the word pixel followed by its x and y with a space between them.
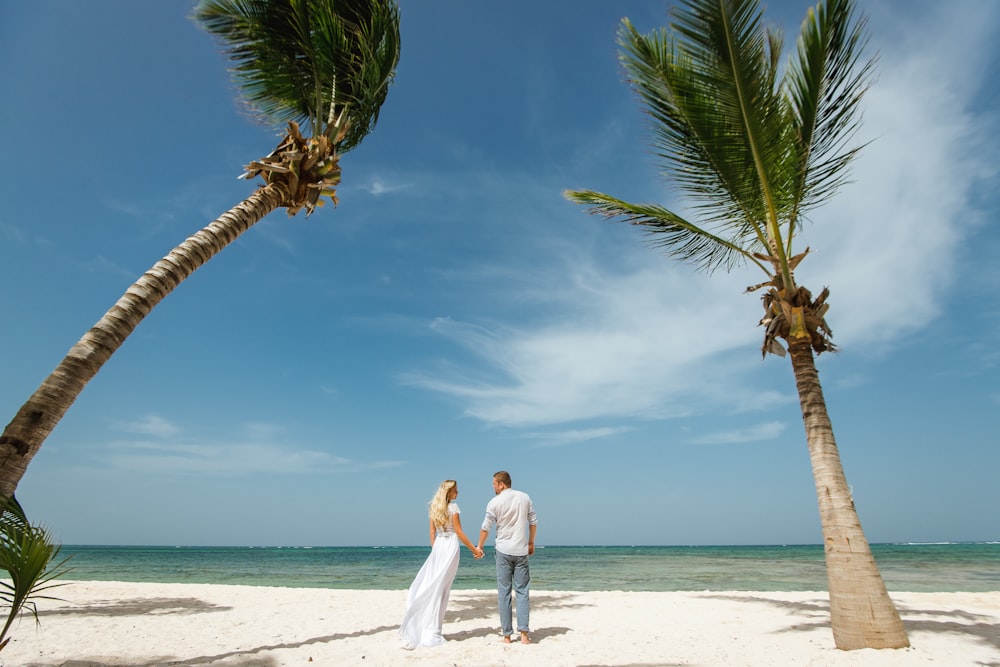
pixel 439 504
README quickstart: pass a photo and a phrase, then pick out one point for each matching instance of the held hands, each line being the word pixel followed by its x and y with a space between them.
pixel 478 552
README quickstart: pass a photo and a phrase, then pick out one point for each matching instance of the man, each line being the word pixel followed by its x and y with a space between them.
pixel 514 516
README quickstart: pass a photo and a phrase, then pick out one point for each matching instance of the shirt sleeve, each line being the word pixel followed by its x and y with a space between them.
pixel 490 519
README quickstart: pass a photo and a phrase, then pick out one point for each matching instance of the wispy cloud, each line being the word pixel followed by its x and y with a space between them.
pixel 575 436
pixel 766 431
pixel 638 344
pixel 625 333
pixel 15 235
pixel 102 264
pixel 156 215
pixel 380 186
pixel 261 448
pixel 150 424
pixel 12 232
pixel 887 246
pixel 231 459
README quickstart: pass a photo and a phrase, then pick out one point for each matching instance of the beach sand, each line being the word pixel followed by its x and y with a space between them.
pixel 111 623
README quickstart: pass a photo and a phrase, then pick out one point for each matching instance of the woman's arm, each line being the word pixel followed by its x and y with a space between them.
pixel 456 523
pixel 433 532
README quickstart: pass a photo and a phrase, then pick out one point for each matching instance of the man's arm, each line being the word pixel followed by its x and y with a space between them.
pixel 488 522
pixel 532 520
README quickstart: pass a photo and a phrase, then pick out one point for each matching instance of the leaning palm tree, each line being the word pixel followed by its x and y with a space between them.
pixel 756 147
pixel 326 64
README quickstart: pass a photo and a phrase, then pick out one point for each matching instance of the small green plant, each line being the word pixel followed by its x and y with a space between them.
pixel 28 555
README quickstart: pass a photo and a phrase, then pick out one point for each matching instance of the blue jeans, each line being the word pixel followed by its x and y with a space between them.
pixel 512 569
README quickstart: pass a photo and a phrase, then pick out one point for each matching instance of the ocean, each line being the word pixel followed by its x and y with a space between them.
pixel 971 567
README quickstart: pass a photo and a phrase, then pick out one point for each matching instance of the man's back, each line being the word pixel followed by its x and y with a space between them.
pixel 512 512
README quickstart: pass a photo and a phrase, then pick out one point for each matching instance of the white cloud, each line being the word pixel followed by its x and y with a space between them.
pixel 379 186
pixel 575 436
pixel 766 431
pixel 150 424
pixel 13 232
pixel 261 449
pixel 231 459
pixel 887 245
pixel 102 264
pixel 621 332
pixel 261 430
pixel 648 343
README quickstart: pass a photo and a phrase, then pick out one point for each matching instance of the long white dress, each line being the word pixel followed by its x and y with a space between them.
pixel 427 599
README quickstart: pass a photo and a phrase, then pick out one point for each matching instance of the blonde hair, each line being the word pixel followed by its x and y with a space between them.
pixel 439 504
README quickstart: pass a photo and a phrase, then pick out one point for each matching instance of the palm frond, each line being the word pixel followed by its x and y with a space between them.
pixel 11 513
pixel 27 555
pixel 751 150
pixel 667 231
pixel 709 90
pixel 736 110
pixel 325 63
pixel 825 85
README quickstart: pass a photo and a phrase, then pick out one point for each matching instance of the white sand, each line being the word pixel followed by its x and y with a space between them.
pixel 110 623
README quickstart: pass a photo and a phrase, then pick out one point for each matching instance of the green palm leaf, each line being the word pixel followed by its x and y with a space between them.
pixel 325 63
pixel 825 84
pixel 668 231
pixel 750 150
pixel 27 555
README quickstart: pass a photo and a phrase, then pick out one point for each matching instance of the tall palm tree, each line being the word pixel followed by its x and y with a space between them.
pixel 756 147
pixel 324 63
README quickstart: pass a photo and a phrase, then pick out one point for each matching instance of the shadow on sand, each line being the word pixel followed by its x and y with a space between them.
pixel 245 657
pixel 465 608
pixel 138 607
pixel 484 606
pixel 983 629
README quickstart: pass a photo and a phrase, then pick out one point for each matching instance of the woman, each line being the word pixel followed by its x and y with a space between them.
pixel 427 598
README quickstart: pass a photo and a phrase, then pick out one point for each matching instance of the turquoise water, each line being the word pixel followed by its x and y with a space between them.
pixel 905 567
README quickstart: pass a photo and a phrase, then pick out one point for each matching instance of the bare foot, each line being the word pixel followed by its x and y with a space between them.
pixel 524 638
pixel 506 640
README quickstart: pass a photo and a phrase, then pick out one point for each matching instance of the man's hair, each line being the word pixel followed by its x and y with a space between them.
pixel 503 477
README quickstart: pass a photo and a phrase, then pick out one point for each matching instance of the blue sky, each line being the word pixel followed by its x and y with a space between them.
pixel 454 315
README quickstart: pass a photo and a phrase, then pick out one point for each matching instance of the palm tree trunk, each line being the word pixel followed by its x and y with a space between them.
pixel 861 612
pixel 35 420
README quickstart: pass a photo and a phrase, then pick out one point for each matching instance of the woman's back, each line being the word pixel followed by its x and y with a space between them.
pixel 449 528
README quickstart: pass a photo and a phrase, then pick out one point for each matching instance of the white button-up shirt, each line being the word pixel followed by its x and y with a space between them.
pixel 511 512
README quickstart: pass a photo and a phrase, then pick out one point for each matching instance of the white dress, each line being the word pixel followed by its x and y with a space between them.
pixel 427 599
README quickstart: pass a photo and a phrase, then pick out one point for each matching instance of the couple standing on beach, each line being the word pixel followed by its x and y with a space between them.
pixel 427 600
